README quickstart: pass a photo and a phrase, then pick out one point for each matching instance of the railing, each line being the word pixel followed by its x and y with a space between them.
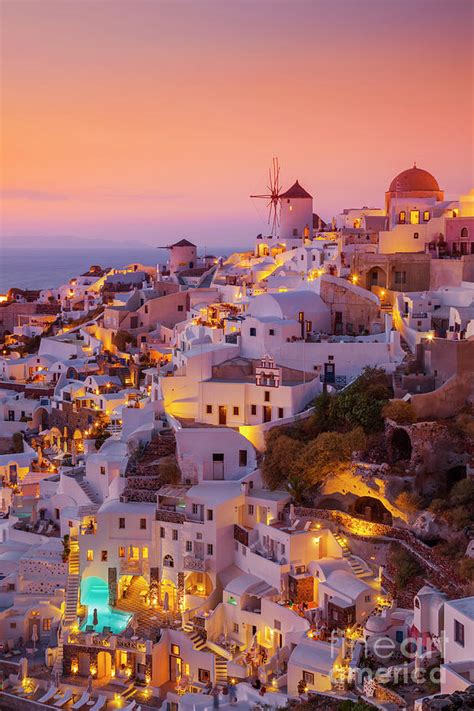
pixel 192 563
pixel 133 567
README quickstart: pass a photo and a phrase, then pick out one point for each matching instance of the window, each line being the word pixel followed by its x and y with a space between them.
pixel 295 230
pixel 143 524
pixel 367 598
pixel 271 332
pixel 175 534
pixel 102 470
pixel 280 413
pixel 210 549
pixel 253 331
pixel 416 235
pixel 121 523
pixel 250 509
pixel 210 514
pixel 145 552
pixel 426 216
pixel 414 217
pixel 47 624
pixel 180 307
pixel 162 532
pixel 267 396
pixel 90 555
pixel 204 675
pixel 242 457
pixel 175 650
pixel 209 409
pixel 104 556
pixel 189 546
pixel 277 624
pixel 400 277
pixel 236 628
pixel 13 625
pixel 121 552
pixel 308 677
pixel 57 513
pixel 301 316
pixel 459 633
pixel 236 410
pixel 402 217
pixel 198 536
pixel 196 507
pixel 168 561
pixel 464 233
pixel 253 409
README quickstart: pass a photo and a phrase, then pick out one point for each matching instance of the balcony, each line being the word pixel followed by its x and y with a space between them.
pixel 191 563
pixel 133 566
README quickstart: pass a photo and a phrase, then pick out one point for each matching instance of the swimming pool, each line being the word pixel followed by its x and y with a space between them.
pixel 95 594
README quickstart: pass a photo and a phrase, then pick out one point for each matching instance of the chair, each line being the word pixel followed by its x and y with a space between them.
pixel 64 699
pixel 100 703
pixel 82 701
pixel 50 694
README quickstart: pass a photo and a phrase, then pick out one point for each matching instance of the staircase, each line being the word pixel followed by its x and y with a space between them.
pixel 195 636
pixel 221 669
pixel 88 491
pixel 357 568
pixel 72 593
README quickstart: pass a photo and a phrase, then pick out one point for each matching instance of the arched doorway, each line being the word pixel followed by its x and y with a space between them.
pixel 168 595
pixel 198 584
pixel 400 446
pixel 371 509
pixel 104 664
pixel 376 277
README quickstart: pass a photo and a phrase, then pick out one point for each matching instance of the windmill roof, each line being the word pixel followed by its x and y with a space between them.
pixel 183 243
pixel 296 191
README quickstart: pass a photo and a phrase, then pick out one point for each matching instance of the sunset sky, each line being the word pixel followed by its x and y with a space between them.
pixel 156 120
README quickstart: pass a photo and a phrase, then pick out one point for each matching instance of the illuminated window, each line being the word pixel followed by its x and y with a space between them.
pixel 175 650
pixel 145 552
pixel 47 624
pixel 90 555
pixel 121 552
pixel 356 224
pixel 415 217
pixel 134 553
pixel 402 217
pixel 308 677
pixel 426 216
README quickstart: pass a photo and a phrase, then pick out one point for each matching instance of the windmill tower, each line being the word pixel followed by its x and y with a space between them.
pixel 290 213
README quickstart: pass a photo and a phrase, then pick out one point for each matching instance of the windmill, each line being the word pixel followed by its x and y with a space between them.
pixel 273 195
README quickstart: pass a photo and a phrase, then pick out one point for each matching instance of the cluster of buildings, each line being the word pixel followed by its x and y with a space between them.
pixel 139 546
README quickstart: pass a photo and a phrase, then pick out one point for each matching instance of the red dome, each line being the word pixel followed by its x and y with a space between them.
pixel 413 180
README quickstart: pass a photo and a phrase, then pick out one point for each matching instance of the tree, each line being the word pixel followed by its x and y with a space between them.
pixel 361 404
pixel 400 412
pixel 328 452
pixel 406 566
pixel 280 459
pixel 409 501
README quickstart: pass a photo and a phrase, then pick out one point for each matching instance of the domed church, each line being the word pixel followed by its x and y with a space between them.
pixel 413 183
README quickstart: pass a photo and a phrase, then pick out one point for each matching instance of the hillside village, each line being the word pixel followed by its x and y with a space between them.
pixel 240 478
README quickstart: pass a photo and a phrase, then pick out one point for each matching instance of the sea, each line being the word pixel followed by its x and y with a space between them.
pixel 33 268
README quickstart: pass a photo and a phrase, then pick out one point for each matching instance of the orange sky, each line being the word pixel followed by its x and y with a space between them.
pixel 153 120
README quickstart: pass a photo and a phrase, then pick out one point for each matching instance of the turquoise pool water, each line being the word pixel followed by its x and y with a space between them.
pixel 95 594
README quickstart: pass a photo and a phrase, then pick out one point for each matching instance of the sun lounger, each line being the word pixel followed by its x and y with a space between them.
pixel 64 699
pixel 99 704
pixel 50 694
pixel 130 707
pixel 82 701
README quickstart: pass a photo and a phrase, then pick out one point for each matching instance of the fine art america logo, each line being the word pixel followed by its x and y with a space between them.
pixel 417 662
